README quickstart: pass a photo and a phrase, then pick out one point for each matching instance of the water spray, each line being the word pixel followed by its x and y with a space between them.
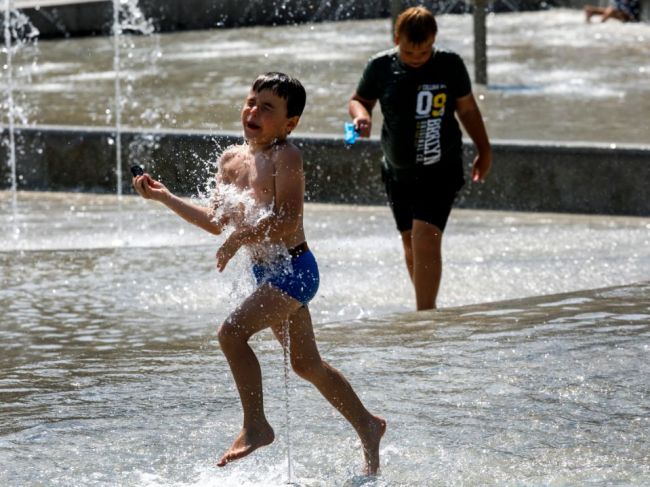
pixel 286 343
pixel 10 110
pixel 117 34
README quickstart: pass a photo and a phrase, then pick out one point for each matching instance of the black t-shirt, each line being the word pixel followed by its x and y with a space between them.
pixel 420 131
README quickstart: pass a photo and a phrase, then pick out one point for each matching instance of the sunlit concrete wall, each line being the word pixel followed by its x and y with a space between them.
pixel 527 176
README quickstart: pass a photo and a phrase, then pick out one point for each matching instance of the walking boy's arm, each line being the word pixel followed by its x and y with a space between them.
pixel 470 116
pixel 197 215
pixel 360 110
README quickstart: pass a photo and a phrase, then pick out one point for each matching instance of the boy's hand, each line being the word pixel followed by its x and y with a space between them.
pixel 363 125
pixel 481 168
pixel 227 251
pixel 149 188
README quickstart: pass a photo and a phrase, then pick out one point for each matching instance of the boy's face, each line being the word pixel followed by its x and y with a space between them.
pixel 264 117
pixel 414 55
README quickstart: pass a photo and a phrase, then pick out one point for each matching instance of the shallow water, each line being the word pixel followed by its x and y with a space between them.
pixel 551 75
pixel 489 255
pixel 110 373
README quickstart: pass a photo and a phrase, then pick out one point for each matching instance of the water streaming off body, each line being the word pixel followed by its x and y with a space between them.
pixel 20 39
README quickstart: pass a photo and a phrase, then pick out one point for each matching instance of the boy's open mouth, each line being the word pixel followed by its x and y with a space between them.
pixel 252 125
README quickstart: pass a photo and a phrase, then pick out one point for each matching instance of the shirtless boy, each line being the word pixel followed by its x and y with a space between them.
pixel 269 170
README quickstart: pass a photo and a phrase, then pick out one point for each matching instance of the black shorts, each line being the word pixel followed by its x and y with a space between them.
pixel 427 197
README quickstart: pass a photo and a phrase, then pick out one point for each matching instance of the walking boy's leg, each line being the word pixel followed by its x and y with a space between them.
pixel 426 245
pixel 613 13
pixel 407 243
pixel 308 364
pixel 591 10
pixel 267 306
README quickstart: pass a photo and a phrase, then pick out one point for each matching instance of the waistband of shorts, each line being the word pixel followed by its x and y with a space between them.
pixel 294 253
pixel 298 250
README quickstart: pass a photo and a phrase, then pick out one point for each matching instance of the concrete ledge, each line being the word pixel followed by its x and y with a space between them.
pixel 527 176
pixel 565 177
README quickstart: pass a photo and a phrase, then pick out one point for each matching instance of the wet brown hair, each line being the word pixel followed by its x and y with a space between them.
pixel 286 87
pixel 416 24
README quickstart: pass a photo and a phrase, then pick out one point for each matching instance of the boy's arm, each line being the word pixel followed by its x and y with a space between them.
pixel 200 216
pixel 287 211
pixel 470 116
pixel 360 110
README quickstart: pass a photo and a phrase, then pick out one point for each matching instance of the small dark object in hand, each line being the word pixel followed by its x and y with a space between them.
pixel 137 171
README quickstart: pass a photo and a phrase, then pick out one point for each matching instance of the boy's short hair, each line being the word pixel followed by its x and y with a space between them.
pixel 416 24
pixel 286 87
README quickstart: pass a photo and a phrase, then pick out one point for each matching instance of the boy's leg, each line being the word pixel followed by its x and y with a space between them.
pixel 401 201
pixel 267 306
pixel 613 13
pixel 421 209
pixel 591 10
pixel 308 364
pixel 407 243
pixel 426 244
pixel 422 253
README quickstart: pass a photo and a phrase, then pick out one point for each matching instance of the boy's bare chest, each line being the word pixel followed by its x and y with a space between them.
pixel 249 173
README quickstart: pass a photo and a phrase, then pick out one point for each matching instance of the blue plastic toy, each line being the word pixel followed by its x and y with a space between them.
pixel 351 134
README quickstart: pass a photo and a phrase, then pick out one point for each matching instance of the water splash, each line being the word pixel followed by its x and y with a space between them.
pixel 286 348
pixel 237 206
pixel 127 18
pixel 10 105
pixel 234 207
pixel 117 32
pixel 18 32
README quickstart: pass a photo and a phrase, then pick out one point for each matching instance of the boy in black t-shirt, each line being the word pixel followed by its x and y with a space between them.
pixel 420 91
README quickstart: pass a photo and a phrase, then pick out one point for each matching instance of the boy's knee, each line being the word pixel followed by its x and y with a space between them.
pixel 306 368
pixel 428 245
pixel 426 238
pixel 426 231
pixel 229 333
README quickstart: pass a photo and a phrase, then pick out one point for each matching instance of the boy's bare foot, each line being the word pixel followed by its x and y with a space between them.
pixel 246 442
pixel 370 441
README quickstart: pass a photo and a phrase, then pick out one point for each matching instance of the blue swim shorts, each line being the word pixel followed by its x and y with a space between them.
pixel 299 277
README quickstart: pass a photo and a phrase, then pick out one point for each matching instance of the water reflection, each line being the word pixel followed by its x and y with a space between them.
pixel 534 391
pixel 110 372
